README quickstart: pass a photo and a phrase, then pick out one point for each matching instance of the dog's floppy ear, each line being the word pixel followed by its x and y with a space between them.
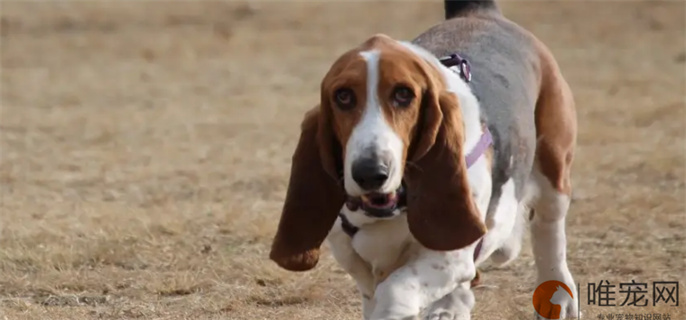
pixel 441 212
pixel 314 197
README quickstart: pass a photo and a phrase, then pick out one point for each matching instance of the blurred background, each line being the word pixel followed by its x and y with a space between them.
pixel 145 149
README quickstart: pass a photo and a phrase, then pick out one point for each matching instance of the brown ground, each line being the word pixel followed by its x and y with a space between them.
pixel 146 147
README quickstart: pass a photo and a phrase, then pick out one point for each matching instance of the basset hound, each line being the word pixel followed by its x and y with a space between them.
pixel 423 159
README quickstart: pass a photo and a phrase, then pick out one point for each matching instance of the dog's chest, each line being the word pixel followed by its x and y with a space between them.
pixel 385 245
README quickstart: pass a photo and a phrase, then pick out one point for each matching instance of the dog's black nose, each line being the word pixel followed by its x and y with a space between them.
pixel 370 173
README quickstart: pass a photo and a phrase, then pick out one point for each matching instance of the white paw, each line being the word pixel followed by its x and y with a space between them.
pixel 568 310
pixel 447 315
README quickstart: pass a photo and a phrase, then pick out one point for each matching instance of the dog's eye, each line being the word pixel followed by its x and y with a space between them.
pixel 345 98
pixel 402 96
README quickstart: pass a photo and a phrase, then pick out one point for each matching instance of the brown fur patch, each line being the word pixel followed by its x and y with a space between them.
pixel 556 124
pixel 313 198
pixel 349 71
pixel 441 212
pixel 477 279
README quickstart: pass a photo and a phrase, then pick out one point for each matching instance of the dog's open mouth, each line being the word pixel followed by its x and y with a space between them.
pixel 375 204
pixel 380 201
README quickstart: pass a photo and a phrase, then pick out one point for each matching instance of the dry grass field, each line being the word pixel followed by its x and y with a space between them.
pixel 145 149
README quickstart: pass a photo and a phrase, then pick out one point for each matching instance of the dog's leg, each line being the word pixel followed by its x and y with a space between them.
pixel 422 281
pixel 457 305
pixel 343 252
pixel 556 128
pixel 550 242
pixel 502 242
pixel 512 246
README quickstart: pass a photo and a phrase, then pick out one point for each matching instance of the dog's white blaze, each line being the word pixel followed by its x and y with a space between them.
pixel 373 134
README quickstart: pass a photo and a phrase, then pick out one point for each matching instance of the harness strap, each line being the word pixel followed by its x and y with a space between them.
pixel 481 147
pixel 463 66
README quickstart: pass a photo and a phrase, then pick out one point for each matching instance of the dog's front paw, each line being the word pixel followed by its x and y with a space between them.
pixel 405 318
pixel 442 314
pixel 567 310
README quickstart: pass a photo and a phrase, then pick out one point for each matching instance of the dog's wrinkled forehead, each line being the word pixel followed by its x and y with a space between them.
pixel 392 55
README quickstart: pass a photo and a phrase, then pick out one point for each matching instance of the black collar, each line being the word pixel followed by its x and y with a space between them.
pixel 348 227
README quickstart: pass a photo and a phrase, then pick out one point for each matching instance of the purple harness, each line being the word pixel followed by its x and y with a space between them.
pixel 484 142
pixel 465 72
pixel 463 67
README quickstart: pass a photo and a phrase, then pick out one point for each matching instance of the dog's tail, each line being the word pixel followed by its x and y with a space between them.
pixel 454 8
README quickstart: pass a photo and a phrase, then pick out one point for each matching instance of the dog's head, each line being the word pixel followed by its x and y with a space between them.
pixel 385 117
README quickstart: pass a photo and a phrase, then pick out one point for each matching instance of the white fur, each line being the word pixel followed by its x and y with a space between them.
pixel 501 223
pixel 373 134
